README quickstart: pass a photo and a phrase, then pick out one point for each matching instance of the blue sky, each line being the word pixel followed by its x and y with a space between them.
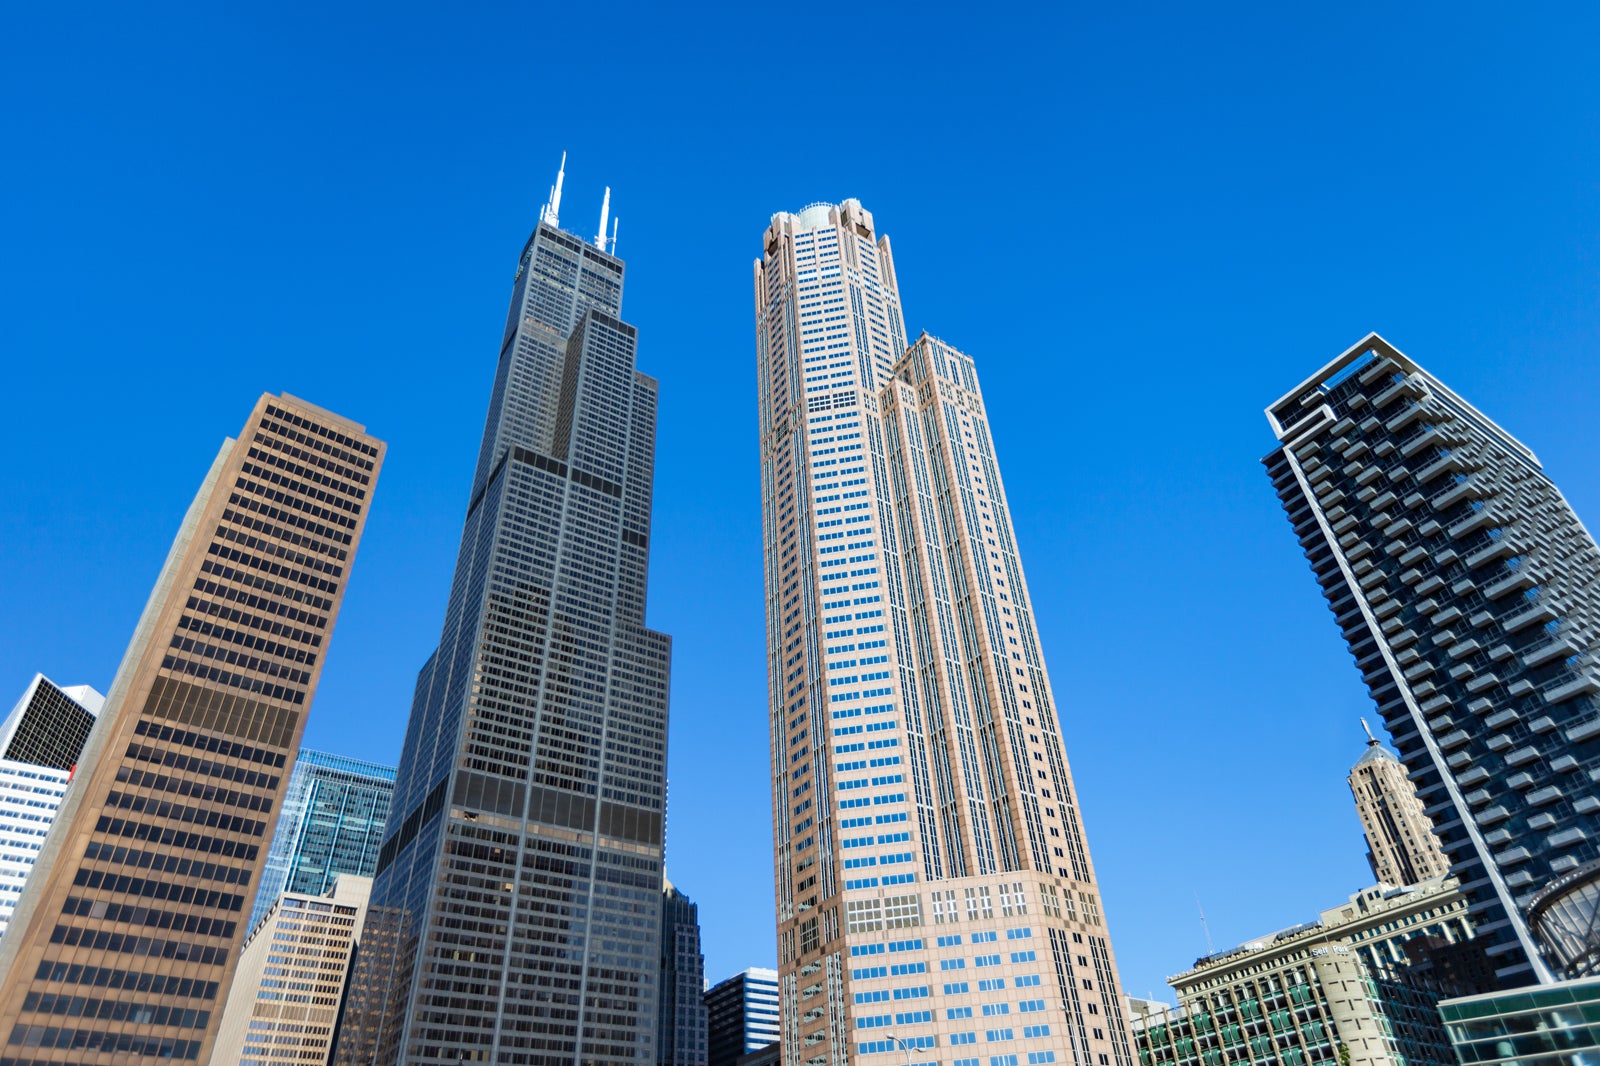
pixel 1143 222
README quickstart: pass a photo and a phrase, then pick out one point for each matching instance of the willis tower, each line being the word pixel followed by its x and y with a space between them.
pixel 516 912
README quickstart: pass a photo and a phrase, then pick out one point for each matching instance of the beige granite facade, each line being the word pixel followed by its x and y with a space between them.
pixel 936 901
pixel 125 938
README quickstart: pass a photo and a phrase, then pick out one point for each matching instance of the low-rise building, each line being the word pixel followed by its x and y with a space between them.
pixel 1359 987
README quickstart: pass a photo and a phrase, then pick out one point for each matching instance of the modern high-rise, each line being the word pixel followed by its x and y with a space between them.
pixel 1359 987
pixel 681 1018
pixel 934 890
pixel 741 1015
pixel 126 936
pixel 1469 593
pixel 290 983
pixel 1401 846
pixel 49 723
pixel 331 823
pixel 520 879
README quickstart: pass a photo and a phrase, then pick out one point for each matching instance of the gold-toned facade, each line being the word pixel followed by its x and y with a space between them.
pixel 123 943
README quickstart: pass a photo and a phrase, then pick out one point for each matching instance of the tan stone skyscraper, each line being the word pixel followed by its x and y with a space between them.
pixel 1401 846
pixel 125 938
pixel 935 895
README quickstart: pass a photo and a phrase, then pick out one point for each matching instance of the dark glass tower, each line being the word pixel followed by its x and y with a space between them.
pixel 331 823
pixel 1469 593
pixel 519 887
pixel 682 1016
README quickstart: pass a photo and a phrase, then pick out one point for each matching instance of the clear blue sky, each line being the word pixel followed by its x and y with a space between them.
pixel 1145 224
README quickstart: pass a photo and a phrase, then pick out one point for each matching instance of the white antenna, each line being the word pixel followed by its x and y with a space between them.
pixel 605 216
pixel 614 224
pixel 552 210
pixel 1211 949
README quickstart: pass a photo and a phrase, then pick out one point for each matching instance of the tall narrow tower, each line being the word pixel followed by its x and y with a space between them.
pixel 125 939
pixel 515 916
pixel 1469 593
pixel 934 889
pixel 1401 846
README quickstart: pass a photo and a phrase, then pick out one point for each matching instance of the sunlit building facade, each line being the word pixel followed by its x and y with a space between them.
pixel 331 824
pixel 127 933
pixel 934 890
pixel 518 893
pixel 1469 594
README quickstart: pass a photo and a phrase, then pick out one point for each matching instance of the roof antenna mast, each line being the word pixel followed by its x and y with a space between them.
pixel 1211 949
pixel 1370 738
pixel 614 223
pixel 552 208
pixel 605 216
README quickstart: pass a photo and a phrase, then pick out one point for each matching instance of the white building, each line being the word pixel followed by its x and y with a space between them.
pixel 49 724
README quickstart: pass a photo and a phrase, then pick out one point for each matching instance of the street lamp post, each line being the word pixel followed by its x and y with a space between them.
pixel 903 1046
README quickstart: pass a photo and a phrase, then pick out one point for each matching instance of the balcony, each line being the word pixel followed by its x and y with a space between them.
pixel 1540 612
pixel 1548 794
pixel 1576 687
pixel 1559 648
pixel 1519 579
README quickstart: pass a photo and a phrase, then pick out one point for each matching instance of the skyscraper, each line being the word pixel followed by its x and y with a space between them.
pixel 40 741
pixel 284 1005
pixel 331 823
pixel 925 815
pixel 741 1015
pixel 682 1017
pixel 1469 593
pixel 128 931
pixel 1401 847
pixel 520 881
pixel 49 725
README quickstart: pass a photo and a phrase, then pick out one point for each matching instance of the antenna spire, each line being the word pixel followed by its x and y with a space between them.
pixel 614 224
pixel 605 216
pixel 1370 738
pixel 1211 949
pixel 552 207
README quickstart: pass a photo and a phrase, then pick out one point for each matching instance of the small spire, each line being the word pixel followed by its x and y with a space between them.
pixel 1371 740
pixel 605 216
pixel 552 207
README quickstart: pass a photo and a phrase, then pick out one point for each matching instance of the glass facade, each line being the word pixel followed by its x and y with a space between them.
pixel 928 841
pixel 1553 1025
pixel 128 931
pixel 518 891
pixel 331 823
pixel 682 1014
pixel 1469 593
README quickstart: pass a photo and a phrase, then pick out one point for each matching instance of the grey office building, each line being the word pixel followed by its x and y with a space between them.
pixel 1469 593
pixel 681 1024
pixel 516 911
pixel 331 823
